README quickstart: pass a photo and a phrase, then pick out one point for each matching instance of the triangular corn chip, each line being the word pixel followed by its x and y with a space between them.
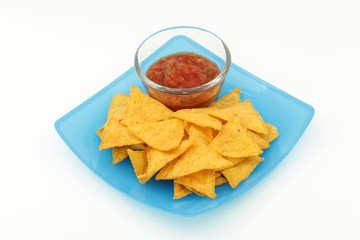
pixel 233 141
pixel 165 171
pixel 117 135
pixel 164 135
pixel 118 106
pixel 119 154
pixel 138 147
pixel 221 113
pixel 180 191
pixel 142 108
pixel 235 161
pixel 272 133
pixel 139 162
pixel 202 182
pixel 262 144
pixel 196 158
pixel 199 117
pixel 231 98
pixel 197 133
pixel 100 134
pixel 241 171
pixel 249 117
pixel 158 159
pixel 220 180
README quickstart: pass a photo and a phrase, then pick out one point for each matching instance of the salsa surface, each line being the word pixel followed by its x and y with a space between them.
pixel 183 70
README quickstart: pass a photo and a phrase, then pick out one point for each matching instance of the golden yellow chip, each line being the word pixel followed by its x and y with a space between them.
pixel 139 162
pixel 241 171
pixel 142 108
pixel 234 142
pixel 117 135
pixel 117 107
pixel 166 170
pixel 262 144
pixel 119 154
pixel 221 113
pixel 199 117
pixel 250 118
pixel 164 135
pixel 235 161
pixel 228 100
pixel 193 191
pixel 272 133
pixel 196 158
pixel 202 182
pixel 180 191
pixel 220 180
pixel 100 134
pixel 138 147
pixel 158 159
pixel 197 133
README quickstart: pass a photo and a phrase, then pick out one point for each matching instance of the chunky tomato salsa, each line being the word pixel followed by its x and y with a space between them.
pixel 183 70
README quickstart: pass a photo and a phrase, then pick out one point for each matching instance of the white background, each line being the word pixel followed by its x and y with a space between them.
pixel 56 54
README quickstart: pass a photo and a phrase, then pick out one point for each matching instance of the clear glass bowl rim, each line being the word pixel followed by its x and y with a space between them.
pixel 203 87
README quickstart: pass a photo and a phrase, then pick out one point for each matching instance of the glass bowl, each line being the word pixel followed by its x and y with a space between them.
pixel 176 40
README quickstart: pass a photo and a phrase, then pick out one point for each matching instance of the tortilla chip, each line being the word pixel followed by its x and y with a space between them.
pixel 228 100
pixel 117 135
pixel 118 106
pixel 197 133
pixel 220 181
pixel 272 133
pixel 235 161
pixel 165 135
pixel 158 159
pixel 241 171
pixel 138 147
pixel 198 117
pixel 222 113
pixel 233 141
pixel 180 191
pixel 249 117
pixel 119 154
pixel 142 108
pixel 202 182
pixel 262 144
pixel 198 157
pixel 139 162
pixel 197 193
pixel 166 170
pixel 100 134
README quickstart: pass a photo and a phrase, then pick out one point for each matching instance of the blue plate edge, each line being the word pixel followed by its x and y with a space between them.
pixel 108 182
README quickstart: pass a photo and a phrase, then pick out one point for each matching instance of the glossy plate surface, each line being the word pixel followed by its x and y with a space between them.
pixel 77 128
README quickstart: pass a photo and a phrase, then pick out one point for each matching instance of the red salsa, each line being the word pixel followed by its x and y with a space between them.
pixel 183 70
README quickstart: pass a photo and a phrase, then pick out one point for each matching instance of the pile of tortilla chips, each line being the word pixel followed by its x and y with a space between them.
pixel 197 149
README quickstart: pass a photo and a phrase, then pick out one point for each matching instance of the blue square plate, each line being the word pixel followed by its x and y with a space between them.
pixel 77 128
